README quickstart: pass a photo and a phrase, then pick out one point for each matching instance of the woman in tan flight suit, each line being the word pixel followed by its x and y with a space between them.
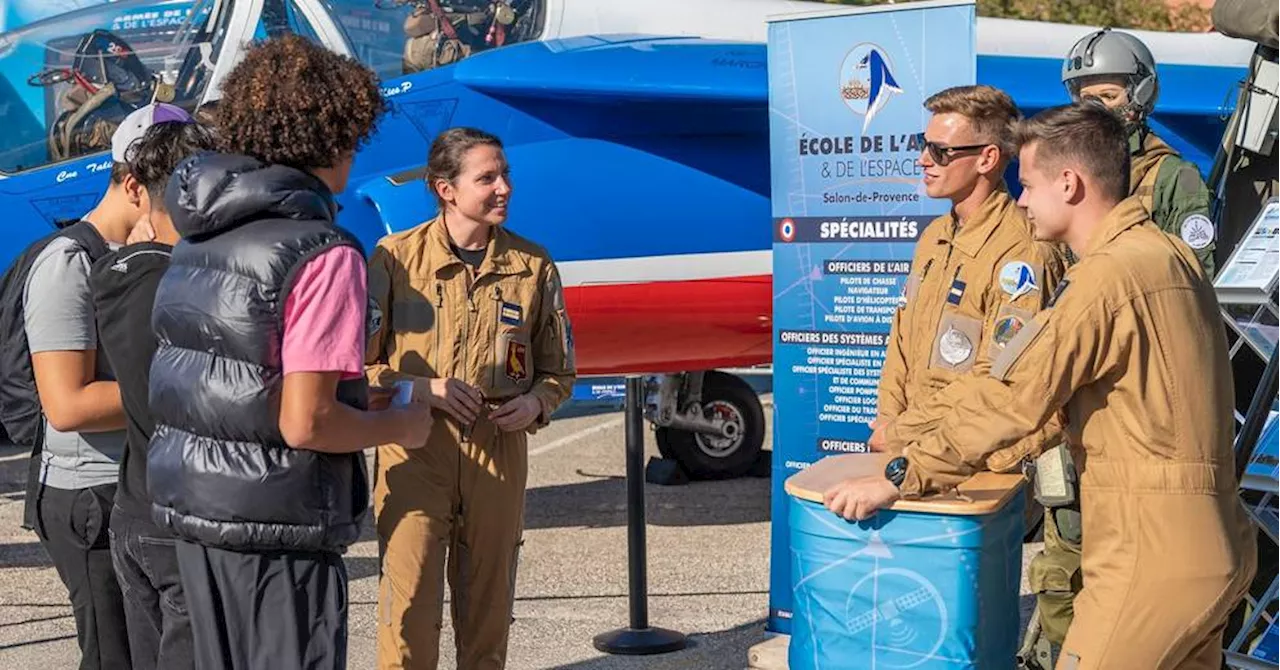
pixel 474 316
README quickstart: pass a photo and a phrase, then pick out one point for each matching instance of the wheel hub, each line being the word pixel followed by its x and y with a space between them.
pixel 722 447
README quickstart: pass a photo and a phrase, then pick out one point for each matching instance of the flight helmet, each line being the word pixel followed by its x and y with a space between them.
pixel 1114 54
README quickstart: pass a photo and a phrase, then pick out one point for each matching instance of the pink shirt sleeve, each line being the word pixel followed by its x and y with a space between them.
pixel 324 315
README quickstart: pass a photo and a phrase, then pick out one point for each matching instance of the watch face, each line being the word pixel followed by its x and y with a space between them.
pixel 896 469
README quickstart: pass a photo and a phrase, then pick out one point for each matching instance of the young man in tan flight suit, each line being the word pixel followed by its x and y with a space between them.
pixel 978 274
pixel 1132 347
pixel 473 314
pixel 1118 70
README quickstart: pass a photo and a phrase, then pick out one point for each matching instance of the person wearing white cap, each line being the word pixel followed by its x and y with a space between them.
pixel 83 435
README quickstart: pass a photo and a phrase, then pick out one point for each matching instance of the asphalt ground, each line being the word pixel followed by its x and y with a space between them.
pixel 708 563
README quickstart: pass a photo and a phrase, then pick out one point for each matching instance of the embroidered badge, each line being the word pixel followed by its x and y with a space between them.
pixel 516 356
pixel 955 347
pixel 510 314
pixel 1006 329
pixel 956 292
pixel 1017 279
pixel 1197 231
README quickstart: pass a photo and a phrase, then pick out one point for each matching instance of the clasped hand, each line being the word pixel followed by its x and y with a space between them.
pixel 463 402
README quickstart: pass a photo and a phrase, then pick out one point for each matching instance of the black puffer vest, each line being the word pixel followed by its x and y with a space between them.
pixel 219 471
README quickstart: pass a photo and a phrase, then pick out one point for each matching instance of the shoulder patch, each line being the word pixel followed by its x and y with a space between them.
pixel 1197 231
pixel 1017 279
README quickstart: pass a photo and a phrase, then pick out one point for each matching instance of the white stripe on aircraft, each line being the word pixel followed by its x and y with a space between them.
pixel 680 267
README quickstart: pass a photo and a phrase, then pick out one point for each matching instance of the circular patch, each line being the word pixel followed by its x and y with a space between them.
pixel 1017 279
pixel 1197 231
pixel 787 230
pixel 1006 329
pixel 955 347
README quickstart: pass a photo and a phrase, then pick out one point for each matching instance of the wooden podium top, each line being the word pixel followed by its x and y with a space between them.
pixel 983 493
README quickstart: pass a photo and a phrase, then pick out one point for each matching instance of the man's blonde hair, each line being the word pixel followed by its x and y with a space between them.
pixel 990 111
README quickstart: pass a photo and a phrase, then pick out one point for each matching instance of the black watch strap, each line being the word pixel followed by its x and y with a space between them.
pixel 896 470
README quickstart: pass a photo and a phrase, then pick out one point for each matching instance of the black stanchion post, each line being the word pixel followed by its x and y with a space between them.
pixel 638 638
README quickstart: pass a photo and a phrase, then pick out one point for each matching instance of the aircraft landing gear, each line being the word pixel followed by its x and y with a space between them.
pixel 711 423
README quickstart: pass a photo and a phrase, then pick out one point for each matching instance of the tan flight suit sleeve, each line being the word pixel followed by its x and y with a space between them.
pixel 1063 348
pixel 554 365
pixel 893 373
pixel 925 414
pixel 377 370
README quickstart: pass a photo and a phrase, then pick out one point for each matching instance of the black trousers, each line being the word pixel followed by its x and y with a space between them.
pixel 277 610
pixel 154 606
pixel 73 528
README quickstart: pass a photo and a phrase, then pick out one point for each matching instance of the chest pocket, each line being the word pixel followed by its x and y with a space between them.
pixel 511 363
pixel 956 340
pixel 416 328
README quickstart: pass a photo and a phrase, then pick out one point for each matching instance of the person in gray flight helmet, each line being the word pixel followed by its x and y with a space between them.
pixel 1117 69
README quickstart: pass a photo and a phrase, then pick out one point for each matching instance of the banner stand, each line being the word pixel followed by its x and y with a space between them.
pixel 846 122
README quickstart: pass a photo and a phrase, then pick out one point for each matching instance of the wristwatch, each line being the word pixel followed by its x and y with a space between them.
pixel 896 470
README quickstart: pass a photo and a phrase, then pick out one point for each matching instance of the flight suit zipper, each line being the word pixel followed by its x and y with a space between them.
pixel 439 326
pixel 942 296
pixel 497 320
pixel 466 343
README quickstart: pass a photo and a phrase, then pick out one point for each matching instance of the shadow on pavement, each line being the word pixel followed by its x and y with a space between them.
pixel 603 503
pixel 23 555
pixel 706 651
pixel 13 470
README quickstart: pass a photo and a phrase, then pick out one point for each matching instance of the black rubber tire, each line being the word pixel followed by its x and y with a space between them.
pixel 682 446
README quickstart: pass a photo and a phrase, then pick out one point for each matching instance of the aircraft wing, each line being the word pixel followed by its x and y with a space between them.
pixel 619 67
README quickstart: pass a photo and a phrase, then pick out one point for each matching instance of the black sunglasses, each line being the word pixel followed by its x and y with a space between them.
pixel 943 155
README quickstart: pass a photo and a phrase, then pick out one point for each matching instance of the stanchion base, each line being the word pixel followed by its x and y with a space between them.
pixel 640 641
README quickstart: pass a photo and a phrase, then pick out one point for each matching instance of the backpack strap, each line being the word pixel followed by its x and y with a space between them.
pixel 88 238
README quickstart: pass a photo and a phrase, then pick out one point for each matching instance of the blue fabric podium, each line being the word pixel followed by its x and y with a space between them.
pixel 930 584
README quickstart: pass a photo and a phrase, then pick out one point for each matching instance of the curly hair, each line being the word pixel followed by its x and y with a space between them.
pixel 292 102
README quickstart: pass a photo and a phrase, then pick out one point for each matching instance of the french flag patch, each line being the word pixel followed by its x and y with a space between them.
pixel 510 314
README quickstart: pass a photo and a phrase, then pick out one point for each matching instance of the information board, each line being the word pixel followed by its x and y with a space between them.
pixel 846 122
pixel 1250 274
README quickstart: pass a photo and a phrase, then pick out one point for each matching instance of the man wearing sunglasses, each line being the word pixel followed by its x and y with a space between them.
pixel 978 276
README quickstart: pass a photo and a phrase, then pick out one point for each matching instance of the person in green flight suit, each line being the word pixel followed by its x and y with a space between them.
pixel 1117 70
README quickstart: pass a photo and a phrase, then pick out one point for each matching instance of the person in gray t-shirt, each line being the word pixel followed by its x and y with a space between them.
pixel 59 318
pixel 84 437
pixel 83 444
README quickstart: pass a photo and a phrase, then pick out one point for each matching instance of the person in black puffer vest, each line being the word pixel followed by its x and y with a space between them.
pixel 257 383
